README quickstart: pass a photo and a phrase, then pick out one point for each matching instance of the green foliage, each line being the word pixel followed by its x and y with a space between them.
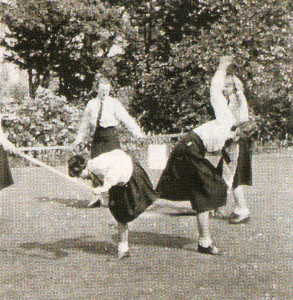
pixel 66 39
pixel 255 32
pixel 170 50
pixel 48 120
pixel 278 122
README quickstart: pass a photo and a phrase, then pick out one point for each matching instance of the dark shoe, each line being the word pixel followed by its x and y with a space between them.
pixel 232 216
pixel 237 219
pixel 122 255
pixel 212 250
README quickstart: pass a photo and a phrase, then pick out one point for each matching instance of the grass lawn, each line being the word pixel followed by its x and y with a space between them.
pixel 52 247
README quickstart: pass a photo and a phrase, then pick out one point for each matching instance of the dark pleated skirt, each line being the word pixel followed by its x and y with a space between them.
pixel 128 201
pixel 104 140
pixel 243 174
pixel 5 173
pixel 190 176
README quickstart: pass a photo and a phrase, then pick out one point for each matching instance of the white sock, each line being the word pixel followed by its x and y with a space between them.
pixel 123 247
pixel 205 242
pixel 241 211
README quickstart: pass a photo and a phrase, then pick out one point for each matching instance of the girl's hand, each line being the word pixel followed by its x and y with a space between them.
pixel 9 147
pixel 74 146
pixel 99 190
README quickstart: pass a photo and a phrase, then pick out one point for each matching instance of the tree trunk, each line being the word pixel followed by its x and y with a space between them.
pixel 33 82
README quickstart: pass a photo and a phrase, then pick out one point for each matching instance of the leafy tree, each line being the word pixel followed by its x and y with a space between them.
pixel 256 33
pixel 47 120
pixel 169 52
pixel 67 39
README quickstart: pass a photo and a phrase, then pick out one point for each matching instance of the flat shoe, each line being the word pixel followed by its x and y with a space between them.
pixel 212 250
pixel 237 219
pixel 232 216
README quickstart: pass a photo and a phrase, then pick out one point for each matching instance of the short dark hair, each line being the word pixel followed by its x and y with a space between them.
pixel 76 164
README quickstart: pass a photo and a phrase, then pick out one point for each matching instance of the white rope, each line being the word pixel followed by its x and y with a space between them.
pixel 53 170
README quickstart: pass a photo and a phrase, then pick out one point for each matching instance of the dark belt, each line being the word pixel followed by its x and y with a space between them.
pixel 226 156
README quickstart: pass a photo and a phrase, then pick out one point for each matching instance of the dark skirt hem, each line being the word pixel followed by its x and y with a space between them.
pixel 127 202
pixel 190 176
pixel 5 173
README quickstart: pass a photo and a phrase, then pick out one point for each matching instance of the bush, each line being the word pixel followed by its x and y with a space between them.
pixel 47 120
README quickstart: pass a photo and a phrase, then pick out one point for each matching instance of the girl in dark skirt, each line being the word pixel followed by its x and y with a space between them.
pixel 103 113
pixel 228 99
pixel 5 173
pixel 190 176
pixel 129 187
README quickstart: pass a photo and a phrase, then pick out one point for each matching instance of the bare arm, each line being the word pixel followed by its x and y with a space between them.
pixel 130 123
pixel 84 127
pixel 218 100
pixel 7 145
pixel 111 179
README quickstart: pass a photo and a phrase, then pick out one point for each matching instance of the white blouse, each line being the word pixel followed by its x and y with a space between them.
pixel 113 168
pixel 230 107
pixel 214 135
pixel 112 114
pixel 218 101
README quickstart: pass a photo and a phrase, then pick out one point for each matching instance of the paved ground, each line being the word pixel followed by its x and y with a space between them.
pixel 54 248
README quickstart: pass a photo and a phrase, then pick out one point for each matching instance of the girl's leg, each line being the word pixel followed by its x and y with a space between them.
pixel 240 202
pixel 241 212
pixel 204 240
pixel 123 249
pixel 204 229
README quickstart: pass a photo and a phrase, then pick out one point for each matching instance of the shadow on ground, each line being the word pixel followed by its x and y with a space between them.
pixel 74 203
pixel 165 209
pixel 87 244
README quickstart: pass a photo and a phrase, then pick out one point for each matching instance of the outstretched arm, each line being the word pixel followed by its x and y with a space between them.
pixel 123 116
pixel 84 127
pixel 218 101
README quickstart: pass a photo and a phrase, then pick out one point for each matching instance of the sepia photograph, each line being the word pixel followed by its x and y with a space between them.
pixel 146 149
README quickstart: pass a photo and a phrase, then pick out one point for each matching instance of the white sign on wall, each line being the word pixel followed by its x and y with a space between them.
pixel 157 156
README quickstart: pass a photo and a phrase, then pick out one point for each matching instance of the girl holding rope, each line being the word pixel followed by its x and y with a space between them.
pixel 5 173
pixel 103 113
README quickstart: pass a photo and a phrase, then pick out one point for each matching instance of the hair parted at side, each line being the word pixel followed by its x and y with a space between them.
pixel 101 78
pixel 104 80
